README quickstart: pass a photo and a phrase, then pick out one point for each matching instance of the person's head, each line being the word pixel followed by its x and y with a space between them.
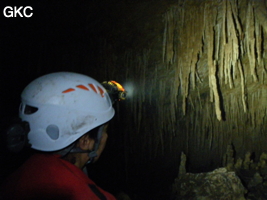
pixel 61 107
pixel 82 149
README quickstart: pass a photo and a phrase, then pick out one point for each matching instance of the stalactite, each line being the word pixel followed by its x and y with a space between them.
pixel 261 14
pixel 187 51
pixel 221 21
pixel 164 43
pixel 250 41
pixel 208 49
pixel 227 49
pixel 176 87
pixel 199 98
pixel 242 86
pixel 168 37
pixel 259 40
pixel 209 36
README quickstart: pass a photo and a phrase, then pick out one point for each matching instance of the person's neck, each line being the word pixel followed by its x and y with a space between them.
pixel 77 159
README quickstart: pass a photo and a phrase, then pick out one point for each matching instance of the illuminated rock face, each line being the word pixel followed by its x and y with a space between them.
pixel 218 184
pixel 240 179
pixel 197 76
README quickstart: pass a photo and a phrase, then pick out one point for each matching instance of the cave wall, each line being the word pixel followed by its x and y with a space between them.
pixel 196 74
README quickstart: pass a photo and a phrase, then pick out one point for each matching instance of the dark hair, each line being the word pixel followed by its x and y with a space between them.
pixel 93 133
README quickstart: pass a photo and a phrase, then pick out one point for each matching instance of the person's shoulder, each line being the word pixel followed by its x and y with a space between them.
pixel 44 159
pixel 43 167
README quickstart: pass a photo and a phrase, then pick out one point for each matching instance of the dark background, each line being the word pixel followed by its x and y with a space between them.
pixel 60 36
pixel 68 36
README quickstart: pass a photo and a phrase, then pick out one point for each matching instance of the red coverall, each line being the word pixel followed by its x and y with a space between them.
pixel 46 176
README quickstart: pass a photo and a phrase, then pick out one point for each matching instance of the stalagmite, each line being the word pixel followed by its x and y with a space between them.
pixel 247 161
pixel 238 164
pixel 182 167
pixel 230 158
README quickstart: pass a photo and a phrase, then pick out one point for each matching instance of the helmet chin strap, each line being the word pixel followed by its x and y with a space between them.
pixel 91 153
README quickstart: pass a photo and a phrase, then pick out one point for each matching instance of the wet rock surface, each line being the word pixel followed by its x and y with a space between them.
pixel 240 179
pixel 218 184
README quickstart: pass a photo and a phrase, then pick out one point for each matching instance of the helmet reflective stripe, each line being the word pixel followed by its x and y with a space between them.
pixel 98 90
pixel 68 105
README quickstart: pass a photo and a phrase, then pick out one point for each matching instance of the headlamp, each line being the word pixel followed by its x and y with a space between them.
pixel 115 90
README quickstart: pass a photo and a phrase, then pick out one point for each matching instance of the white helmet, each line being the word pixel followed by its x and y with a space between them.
pixel 61 107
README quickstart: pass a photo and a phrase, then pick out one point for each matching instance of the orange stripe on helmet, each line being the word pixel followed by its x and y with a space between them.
pixel 101 91
pixel 68 90
pixel 93 87
pixel 82 87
